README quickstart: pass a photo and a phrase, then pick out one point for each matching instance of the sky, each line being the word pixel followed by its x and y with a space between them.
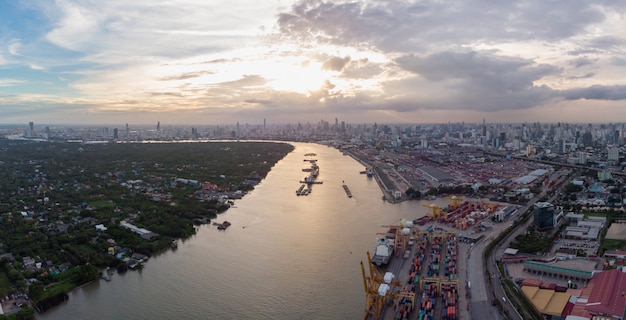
pixel 360 61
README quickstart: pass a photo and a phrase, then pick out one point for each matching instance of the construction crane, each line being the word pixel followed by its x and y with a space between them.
pixel 456 201
pixel 435 211
pixel 377 291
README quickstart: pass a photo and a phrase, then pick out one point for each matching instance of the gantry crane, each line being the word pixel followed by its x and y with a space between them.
pixel 401 240
pixel 456 201
pixel 490 206
pixel 376 294
pixel 435 211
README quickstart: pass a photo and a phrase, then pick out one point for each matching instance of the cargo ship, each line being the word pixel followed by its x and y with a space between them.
pixel 429 289
pixel 384 250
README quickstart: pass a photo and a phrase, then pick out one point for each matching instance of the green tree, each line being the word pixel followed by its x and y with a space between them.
pixel 86 273
pixel 36 291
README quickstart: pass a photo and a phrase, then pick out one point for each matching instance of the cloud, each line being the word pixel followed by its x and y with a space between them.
pixel 246 81
pixel 187 75
pixel 14 48
pixel 584 76
pixel 259 101
pixel 582 61
pixel 10 82
pixel 403 25
pixel 335 63
pixel 597 92
pixel 618 61
pixel 246 59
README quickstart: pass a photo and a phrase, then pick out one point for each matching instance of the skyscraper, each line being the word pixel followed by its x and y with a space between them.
pixel 30 132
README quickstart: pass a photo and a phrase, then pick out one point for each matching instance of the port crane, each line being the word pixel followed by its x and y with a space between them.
pixel 377 291
pixel 435 211
pixel 401 240
pixel 490 206
pixel 456 201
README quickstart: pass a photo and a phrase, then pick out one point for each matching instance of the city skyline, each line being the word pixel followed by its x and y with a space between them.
pixel 198 62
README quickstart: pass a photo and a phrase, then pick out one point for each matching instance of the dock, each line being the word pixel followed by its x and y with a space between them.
pixel 347 190
pixel 424 274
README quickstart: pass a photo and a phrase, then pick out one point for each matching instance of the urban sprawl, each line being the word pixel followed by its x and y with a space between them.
pixel 533 226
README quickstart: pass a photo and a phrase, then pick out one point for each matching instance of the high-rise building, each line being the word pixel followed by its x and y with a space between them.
pixel 561 146
pixel 484 128
pixel 115 134
pixel 30 131
pixel 582 157
pixel 587 139
pixel 544 216
pixel 612 154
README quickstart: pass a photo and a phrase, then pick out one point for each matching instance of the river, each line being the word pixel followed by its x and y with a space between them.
pixel 284 257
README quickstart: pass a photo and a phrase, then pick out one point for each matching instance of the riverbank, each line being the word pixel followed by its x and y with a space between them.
pixel 391 191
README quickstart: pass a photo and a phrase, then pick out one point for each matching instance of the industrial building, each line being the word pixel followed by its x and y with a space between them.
pixel 505 212
pixel 548 301
pixel 603 298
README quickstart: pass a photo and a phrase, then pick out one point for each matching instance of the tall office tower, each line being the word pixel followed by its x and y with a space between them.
pixel 127 132
pixel 30 132
pixel 264 124
pixel 484 128
pixel 613 154
pixel 48 135
pixel 544 217
pixel 561 146
pixel 158 126
pixel 587 139
pixel 582 157
pixel 115 135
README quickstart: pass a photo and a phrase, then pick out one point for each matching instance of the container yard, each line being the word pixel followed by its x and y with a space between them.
pixel 426 286
pixel 460 214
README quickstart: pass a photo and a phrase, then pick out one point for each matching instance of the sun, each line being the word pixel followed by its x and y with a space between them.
pixel 296 76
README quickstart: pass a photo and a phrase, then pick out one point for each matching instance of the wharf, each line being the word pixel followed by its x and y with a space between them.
pixel 428 283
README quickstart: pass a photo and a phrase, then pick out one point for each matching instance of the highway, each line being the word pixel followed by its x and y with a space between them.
pixel 494 280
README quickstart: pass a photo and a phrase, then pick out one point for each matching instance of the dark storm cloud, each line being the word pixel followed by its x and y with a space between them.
pixel 597 92
pixel 335 63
